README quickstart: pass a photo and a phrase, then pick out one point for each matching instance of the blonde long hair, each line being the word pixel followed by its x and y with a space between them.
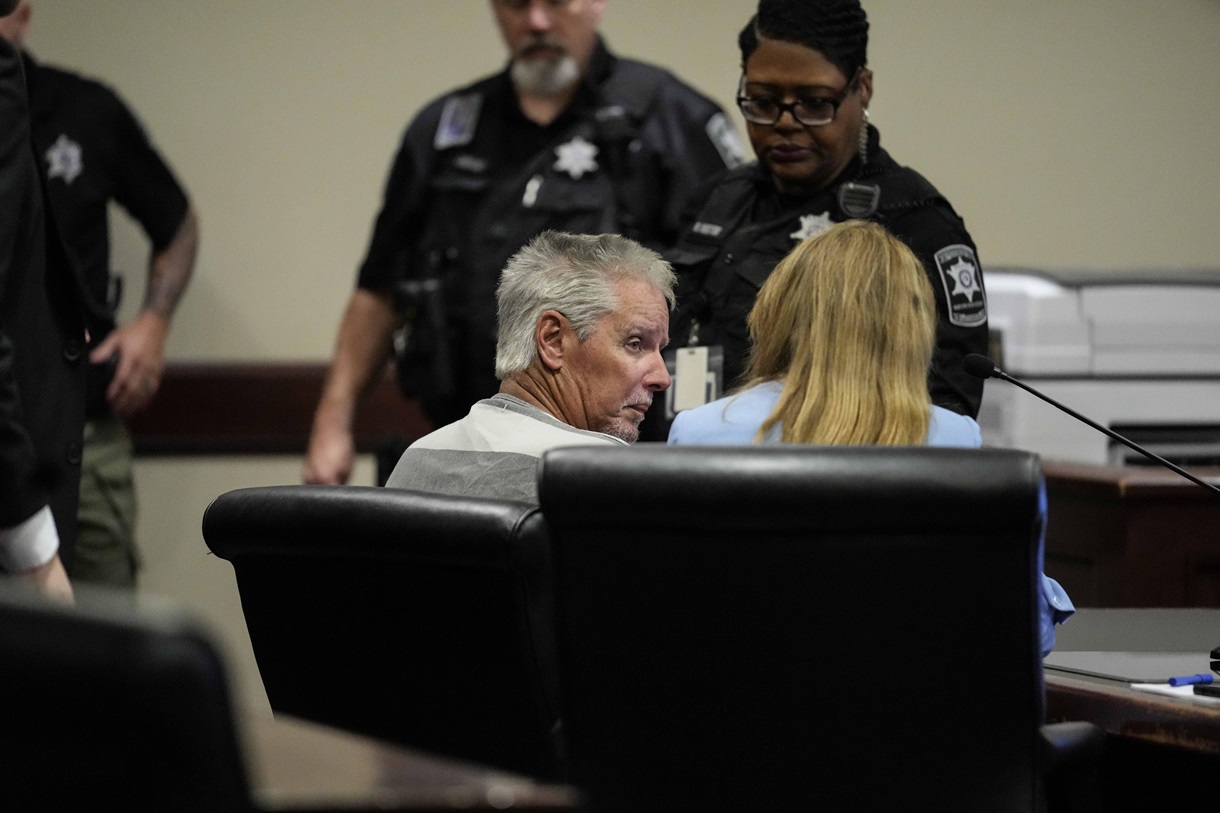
pixel 847 321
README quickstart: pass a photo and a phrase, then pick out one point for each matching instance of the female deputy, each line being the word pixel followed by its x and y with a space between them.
pixel 842 331
pixel 844 328
pixel 804 92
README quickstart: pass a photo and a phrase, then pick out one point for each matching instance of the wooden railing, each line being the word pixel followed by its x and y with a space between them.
pixel 211 408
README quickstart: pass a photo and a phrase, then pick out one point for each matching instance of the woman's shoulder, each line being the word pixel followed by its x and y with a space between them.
pixel 733 419
pixel 948 428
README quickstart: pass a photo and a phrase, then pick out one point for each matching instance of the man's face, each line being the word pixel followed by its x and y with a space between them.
pixel 614 373
pixel 549 38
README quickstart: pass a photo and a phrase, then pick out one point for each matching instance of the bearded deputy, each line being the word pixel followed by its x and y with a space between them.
pixel 567 137
pixel 804 92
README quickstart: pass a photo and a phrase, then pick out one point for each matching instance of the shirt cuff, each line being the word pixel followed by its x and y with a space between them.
pixel 29 544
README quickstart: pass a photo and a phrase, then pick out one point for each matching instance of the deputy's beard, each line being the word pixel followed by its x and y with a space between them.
pixel 544 77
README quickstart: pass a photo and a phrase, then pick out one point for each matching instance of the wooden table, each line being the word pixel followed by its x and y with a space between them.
pixel 1159 750
pixel 1133 536
pixel 1193 725
pixel 296 765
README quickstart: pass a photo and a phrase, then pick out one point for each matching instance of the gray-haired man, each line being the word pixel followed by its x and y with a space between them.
pixel 582 322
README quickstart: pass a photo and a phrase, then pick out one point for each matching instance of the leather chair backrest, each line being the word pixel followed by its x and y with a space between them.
pixel 422 619
pixel 106 709
pixel 797 628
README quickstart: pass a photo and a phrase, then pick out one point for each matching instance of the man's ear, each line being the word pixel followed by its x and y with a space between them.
pixel 549 333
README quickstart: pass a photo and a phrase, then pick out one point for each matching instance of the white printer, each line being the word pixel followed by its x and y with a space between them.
pixel 1136 351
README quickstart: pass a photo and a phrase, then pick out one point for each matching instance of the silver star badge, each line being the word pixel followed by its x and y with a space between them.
pixel 576 157
pixel 811 225
pixel 64 159
pixel 965 277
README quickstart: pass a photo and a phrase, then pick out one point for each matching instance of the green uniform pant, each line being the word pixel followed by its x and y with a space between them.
pixel 105 543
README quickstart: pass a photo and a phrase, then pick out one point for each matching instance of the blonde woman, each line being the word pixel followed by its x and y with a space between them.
pixel 842 337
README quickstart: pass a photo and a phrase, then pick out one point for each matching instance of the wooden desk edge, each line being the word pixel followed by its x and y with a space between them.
pixel 1115 482
pixel 1120 710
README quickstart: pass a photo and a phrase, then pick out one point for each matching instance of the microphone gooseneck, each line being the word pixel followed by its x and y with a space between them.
pixel 982 367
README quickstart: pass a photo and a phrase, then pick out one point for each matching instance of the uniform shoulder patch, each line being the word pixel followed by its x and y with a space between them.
pixel 459 118
pixel 960 275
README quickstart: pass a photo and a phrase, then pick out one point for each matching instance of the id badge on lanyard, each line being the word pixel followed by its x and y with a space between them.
pixel 697 376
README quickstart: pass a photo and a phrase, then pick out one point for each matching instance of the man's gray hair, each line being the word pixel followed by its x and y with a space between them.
pixel 574 274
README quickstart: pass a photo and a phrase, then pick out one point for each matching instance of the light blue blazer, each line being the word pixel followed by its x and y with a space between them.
pixel 735 420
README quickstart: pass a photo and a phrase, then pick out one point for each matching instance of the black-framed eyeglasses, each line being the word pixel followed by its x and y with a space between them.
pixel 813 112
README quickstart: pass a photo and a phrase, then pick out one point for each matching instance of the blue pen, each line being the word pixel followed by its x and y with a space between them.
pixel 1191 680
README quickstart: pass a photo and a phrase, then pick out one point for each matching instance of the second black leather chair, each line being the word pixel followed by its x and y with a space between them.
pixel 417 618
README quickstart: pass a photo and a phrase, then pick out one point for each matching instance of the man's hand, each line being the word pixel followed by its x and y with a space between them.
pixel 51 580
pixel 140 345
pixel 331 454
pixel 366 336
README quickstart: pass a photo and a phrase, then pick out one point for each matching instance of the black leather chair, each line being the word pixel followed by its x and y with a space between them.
pixel 798 628
pixel 421 619
pixel 106 709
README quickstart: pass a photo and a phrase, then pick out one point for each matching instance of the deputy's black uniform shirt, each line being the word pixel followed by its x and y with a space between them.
pixel 474 180
pixel 91 150
pixel 745 227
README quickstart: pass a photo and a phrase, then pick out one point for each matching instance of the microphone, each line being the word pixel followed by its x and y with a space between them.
pixel 983 367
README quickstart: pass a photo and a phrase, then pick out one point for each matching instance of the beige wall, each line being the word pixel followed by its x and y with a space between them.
pixel 1066 132
pixel 173 495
